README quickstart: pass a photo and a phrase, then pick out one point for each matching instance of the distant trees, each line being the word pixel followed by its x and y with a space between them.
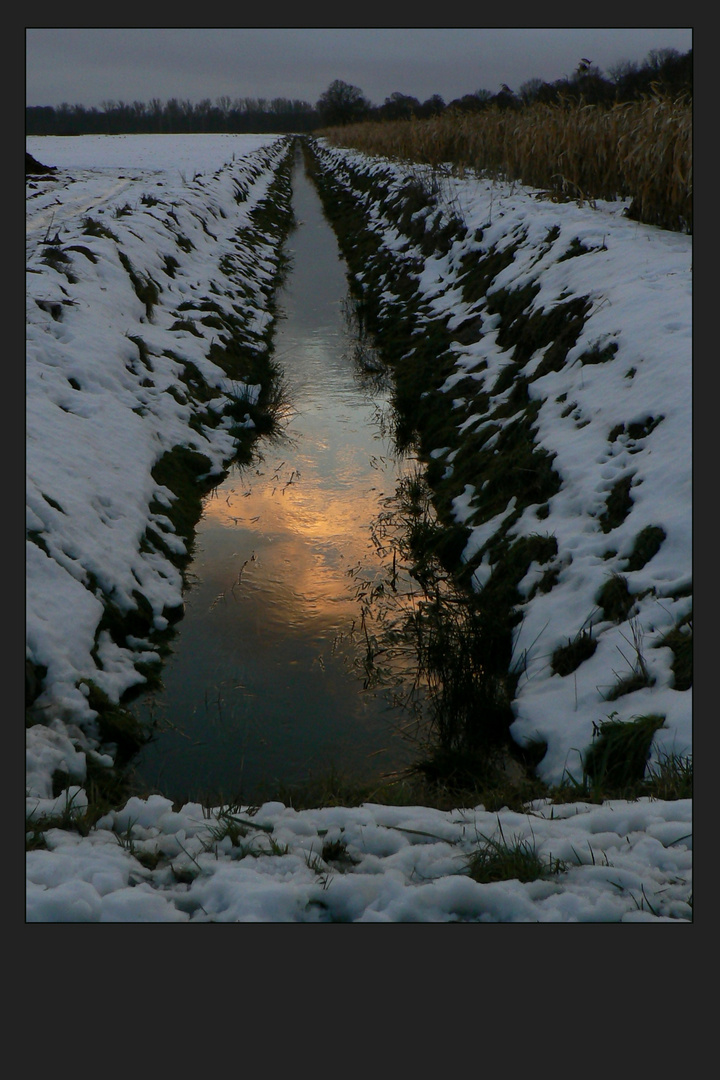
pixel 505 98
pixel 433 106
pixel 664 70
pixel 342 104
pixel 529 90
pixel 667 69
pixel 174 117
pixel 398 107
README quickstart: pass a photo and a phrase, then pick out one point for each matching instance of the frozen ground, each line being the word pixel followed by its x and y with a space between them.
pixel 99 418
pixel 617 412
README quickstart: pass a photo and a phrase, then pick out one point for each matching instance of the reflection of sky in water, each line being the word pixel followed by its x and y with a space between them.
pixel 261 684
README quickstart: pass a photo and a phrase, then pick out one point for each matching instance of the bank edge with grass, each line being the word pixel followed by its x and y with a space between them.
pixel 476 430
pixel 225 406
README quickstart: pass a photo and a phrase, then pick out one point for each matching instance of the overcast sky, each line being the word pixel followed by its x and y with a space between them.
pixel 91 66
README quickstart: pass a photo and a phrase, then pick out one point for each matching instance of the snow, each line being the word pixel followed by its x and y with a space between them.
pixel 90 451
pixel 638 281
pixel 98 420
pixel 625 862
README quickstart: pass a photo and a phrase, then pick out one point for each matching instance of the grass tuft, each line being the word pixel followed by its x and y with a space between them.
pixel 617 505
pixel 516 859
pixel 568 658
pixel 680 640
pixel 615 599
pixel 618 755
pixel 671 777
pixel 647 544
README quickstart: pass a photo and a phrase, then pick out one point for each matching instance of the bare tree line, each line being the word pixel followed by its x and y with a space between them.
pixel 175 116
pixel 663 71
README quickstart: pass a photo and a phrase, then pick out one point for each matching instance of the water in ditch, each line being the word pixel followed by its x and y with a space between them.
pixel 264 687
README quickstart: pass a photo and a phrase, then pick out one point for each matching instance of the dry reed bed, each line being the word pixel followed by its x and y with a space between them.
pixel 639 150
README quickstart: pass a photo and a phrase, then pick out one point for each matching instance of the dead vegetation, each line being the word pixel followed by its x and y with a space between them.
pixel 638 150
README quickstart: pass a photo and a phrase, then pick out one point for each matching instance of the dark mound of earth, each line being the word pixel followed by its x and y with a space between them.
pixel 34 168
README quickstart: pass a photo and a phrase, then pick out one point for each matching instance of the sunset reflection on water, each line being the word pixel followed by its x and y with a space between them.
pixel 300 532
pixel 263 685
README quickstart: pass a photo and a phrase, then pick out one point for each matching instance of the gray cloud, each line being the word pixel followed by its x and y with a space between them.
pixel 89 66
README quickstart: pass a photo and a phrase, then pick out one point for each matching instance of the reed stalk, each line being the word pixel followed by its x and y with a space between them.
pixel 640 150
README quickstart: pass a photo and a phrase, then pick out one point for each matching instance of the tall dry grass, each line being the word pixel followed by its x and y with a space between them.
pixel 640 150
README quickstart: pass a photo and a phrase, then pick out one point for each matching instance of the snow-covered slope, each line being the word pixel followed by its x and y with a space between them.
pixel 142 257
pixel 579 342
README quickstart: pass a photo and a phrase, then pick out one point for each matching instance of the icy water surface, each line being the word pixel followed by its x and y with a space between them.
pixel 262 689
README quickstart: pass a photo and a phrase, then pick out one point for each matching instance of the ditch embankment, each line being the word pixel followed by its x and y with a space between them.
pixel 544 403
pixel 150 371
pixel 532 378
pixel 541 354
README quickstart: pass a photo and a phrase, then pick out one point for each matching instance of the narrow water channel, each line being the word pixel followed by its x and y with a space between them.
pixel 262 688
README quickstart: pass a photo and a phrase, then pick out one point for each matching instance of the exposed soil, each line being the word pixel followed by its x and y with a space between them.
pixel 36 168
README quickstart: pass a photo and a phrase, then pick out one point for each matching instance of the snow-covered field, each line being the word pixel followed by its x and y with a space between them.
pixel 99 418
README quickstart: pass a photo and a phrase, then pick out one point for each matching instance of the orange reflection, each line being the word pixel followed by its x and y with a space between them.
pixel 300 533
